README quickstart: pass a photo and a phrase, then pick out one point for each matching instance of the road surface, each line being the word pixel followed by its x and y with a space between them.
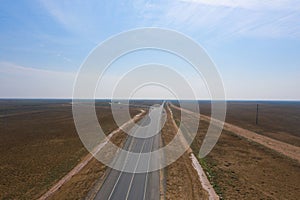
pixel 120 185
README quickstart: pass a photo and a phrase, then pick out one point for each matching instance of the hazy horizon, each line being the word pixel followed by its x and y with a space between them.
pixel 145 99
pixel 254 45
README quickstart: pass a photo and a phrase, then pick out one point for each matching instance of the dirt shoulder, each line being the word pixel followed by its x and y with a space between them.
pixel 182 181
pixel 201 174
pixel 240 168
pixel 79 181
pixel 80 184
pixel 39 144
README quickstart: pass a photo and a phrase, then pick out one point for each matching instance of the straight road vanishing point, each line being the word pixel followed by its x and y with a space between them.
pixel 120 185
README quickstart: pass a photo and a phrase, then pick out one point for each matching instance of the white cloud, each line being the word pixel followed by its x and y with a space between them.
pixel 27 82
pixel 219 20
pixel 9 67
pixel 251 4
pixel 62 12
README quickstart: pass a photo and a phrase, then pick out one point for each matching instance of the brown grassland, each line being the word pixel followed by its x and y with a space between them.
pixel 39 144
pixel 278 120
pixel 241 169
pixel 181 179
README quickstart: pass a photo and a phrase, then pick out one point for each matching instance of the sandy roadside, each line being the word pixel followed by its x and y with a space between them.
pixel 288 150
pixel 212 195
pixel 88 158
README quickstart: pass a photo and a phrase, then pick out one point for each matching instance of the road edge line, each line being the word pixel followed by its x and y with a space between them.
pixel 88 158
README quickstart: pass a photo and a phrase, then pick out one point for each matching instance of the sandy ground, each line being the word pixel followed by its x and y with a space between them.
pixel 201 174
pixel 182 180
pixel 281 147
pixel 88 158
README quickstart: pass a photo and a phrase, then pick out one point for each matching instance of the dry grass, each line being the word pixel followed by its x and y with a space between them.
pixel 89 177
pixel 182 180
pixel 278 120
pixel 240 169
pixel 39 145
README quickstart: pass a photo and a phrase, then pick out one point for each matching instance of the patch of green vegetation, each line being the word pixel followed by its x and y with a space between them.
pixel 207 167
pixel 177 122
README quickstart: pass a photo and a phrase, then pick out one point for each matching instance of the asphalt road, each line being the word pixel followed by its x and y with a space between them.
pixel 120 185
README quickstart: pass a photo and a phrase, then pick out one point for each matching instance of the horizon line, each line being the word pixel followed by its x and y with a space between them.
pixel 141 99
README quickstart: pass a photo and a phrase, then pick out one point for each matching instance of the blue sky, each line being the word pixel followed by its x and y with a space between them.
pixel 255 44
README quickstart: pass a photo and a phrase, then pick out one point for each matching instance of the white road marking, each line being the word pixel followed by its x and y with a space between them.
pixel 145 186
pixel 123 166
pixel 130 184
pixel 126 160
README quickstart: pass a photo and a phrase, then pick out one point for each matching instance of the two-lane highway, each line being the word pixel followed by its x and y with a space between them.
pixel 132 185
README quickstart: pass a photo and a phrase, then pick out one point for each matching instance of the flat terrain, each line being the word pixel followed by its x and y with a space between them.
pixel 87 181
pixel 39 144
pixel 126 185
pixel 278 120
pixel 181 179
pixel 241 169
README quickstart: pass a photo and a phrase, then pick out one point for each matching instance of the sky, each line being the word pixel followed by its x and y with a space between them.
pixel 255 44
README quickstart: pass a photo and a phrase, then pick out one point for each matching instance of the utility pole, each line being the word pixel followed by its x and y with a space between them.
pixel 256 121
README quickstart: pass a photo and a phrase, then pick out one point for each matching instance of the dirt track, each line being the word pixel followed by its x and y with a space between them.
pixel 182 181
pixel 87 159
pixel 281 147
pixel 195 163
pixel 242 169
